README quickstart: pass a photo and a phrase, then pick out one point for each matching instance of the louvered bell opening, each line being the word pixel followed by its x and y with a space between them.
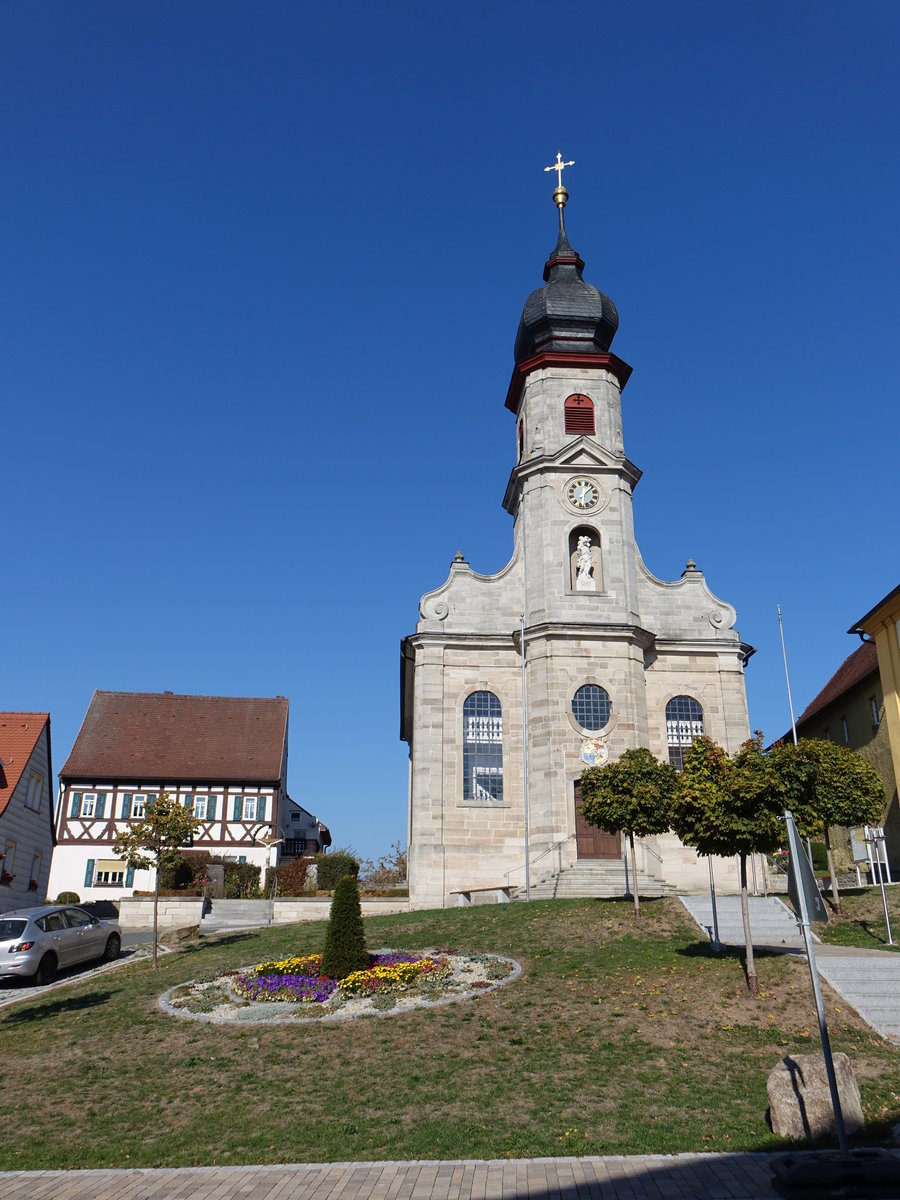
pixel 579 412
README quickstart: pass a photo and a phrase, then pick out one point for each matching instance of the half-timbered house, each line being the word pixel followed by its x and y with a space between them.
pixel 224 756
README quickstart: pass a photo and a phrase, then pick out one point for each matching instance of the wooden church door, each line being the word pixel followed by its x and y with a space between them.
pixel 591 842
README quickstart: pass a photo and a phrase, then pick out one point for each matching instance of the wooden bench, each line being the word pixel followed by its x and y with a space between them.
pixel 502 891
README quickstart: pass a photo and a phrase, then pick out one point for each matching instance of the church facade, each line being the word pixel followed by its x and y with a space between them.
pixel 574 652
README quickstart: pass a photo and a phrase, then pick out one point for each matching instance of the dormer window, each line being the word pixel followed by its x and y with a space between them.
pixel 579 413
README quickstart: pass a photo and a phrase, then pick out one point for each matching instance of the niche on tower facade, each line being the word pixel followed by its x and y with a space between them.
pixel 585 562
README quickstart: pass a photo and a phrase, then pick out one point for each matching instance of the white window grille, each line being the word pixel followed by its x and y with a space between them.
pixel 482 749
pixel 684 722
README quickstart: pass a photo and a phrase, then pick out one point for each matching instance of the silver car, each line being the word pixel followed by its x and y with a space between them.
pixel 35 942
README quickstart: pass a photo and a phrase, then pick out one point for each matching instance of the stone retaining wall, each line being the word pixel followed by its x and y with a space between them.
pixel 175 912
pixel 136 912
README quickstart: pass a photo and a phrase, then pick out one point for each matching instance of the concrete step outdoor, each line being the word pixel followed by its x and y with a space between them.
pixel 592 878
pixel 771 922
pixel 236 914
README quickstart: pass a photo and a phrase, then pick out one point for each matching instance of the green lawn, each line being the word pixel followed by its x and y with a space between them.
pixel 616 1039
pixel 862 921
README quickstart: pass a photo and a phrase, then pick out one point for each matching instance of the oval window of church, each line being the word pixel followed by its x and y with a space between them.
pixel 684 722
pixel 482 749
pixel 591 707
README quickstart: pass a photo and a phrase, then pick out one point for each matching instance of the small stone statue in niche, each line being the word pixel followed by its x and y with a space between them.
pixel 584 566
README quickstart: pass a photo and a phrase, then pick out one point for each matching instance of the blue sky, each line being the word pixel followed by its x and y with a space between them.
pixel 263 269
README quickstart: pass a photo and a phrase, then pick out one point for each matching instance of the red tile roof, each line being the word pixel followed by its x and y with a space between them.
pixel 19 733
pixel 147 736
pixel 853 670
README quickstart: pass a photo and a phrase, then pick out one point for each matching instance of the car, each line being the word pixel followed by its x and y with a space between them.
pixel 35 942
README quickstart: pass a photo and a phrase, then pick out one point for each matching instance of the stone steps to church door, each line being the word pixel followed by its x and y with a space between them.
pixel 592 879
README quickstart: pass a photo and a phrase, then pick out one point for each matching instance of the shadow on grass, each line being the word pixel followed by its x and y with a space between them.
pixel 723 953
pixel 210 943
pixel 879 937
pixel 38 1012
pixel 734 953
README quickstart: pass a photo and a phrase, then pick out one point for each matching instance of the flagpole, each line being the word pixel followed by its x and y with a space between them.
pixel 787 676
pixel 787 679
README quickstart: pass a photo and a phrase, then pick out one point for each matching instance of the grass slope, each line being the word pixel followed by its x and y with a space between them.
pixel 862 921
pixel 616 1039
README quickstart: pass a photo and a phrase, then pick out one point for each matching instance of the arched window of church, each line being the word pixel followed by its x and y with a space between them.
pixel 482 749
pixel 521 439
pixel 684 722
pixel 579 411
pixel 591 707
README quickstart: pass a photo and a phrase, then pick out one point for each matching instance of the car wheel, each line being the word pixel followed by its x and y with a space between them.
pixel 46 970
pixel 113 946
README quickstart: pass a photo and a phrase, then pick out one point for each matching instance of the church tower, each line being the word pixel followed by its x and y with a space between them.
pixel 573 653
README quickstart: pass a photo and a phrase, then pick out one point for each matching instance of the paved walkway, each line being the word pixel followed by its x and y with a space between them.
pixel 867 980
pixel 644 1177
pixel 771 921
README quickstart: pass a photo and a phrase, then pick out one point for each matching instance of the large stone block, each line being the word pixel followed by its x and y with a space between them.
pixel 800 1098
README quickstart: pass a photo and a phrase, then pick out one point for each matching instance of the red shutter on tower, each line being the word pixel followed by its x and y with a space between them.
pixel 579 414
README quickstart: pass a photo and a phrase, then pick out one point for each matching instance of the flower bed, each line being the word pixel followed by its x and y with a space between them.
pixel 293 988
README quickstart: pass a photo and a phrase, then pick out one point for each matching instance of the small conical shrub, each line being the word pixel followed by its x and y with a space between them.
pixel 345 938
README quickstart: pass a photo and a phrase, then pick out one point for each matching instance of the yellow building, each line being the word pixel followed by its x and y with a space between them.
pixel 882 625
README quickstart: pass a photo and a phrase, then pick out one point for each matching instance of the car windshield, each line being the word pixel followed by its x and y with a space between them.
pixel 11 929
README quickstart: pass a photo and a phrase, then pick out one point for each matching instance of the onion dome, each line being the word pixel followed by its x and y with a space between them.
pixel 565 315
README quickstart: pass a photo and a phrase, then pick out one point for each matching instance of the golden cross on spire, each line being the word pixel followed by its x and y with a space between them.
pixel 559 166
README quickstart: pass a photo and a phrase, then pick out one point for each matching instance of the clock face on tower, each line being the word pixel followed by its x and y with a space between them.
pixel 583 494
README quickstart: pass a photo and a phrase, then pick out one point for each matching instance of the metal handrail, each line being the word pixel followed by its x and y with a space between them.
pixel 650 850
pixel 543 854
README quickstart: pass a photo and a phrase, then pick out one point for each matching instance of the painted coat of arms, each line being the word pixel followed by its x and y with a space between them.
pixel 594 752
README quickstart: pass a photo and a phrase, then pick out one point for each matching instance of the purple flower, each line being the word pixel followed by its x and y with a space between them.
pixel 295 988
pixel 394 957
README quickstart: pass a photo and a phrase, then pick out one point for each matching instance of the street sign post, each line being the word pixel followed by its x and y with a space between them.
pixel 805 896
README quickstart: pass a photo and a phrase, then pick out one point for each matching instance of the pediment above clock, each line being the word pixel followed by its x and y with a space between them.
pixel 589 454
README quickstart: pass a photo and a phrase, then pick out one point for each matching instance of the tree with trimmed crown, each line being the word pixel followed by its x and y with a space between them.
pixel 731 806
pixel 632 796
pixel 345 938
pixel 828 784
pixel 157 838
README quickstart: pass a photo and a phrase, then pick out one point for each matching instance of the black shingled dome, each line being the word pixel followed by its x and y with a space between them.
pixel 566 314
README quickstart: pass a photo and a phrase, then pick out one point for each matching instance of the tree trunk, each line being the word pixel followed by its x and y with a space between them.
pixel 637 899
pixel 752 981
pixel 835 894
pixel 155 915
